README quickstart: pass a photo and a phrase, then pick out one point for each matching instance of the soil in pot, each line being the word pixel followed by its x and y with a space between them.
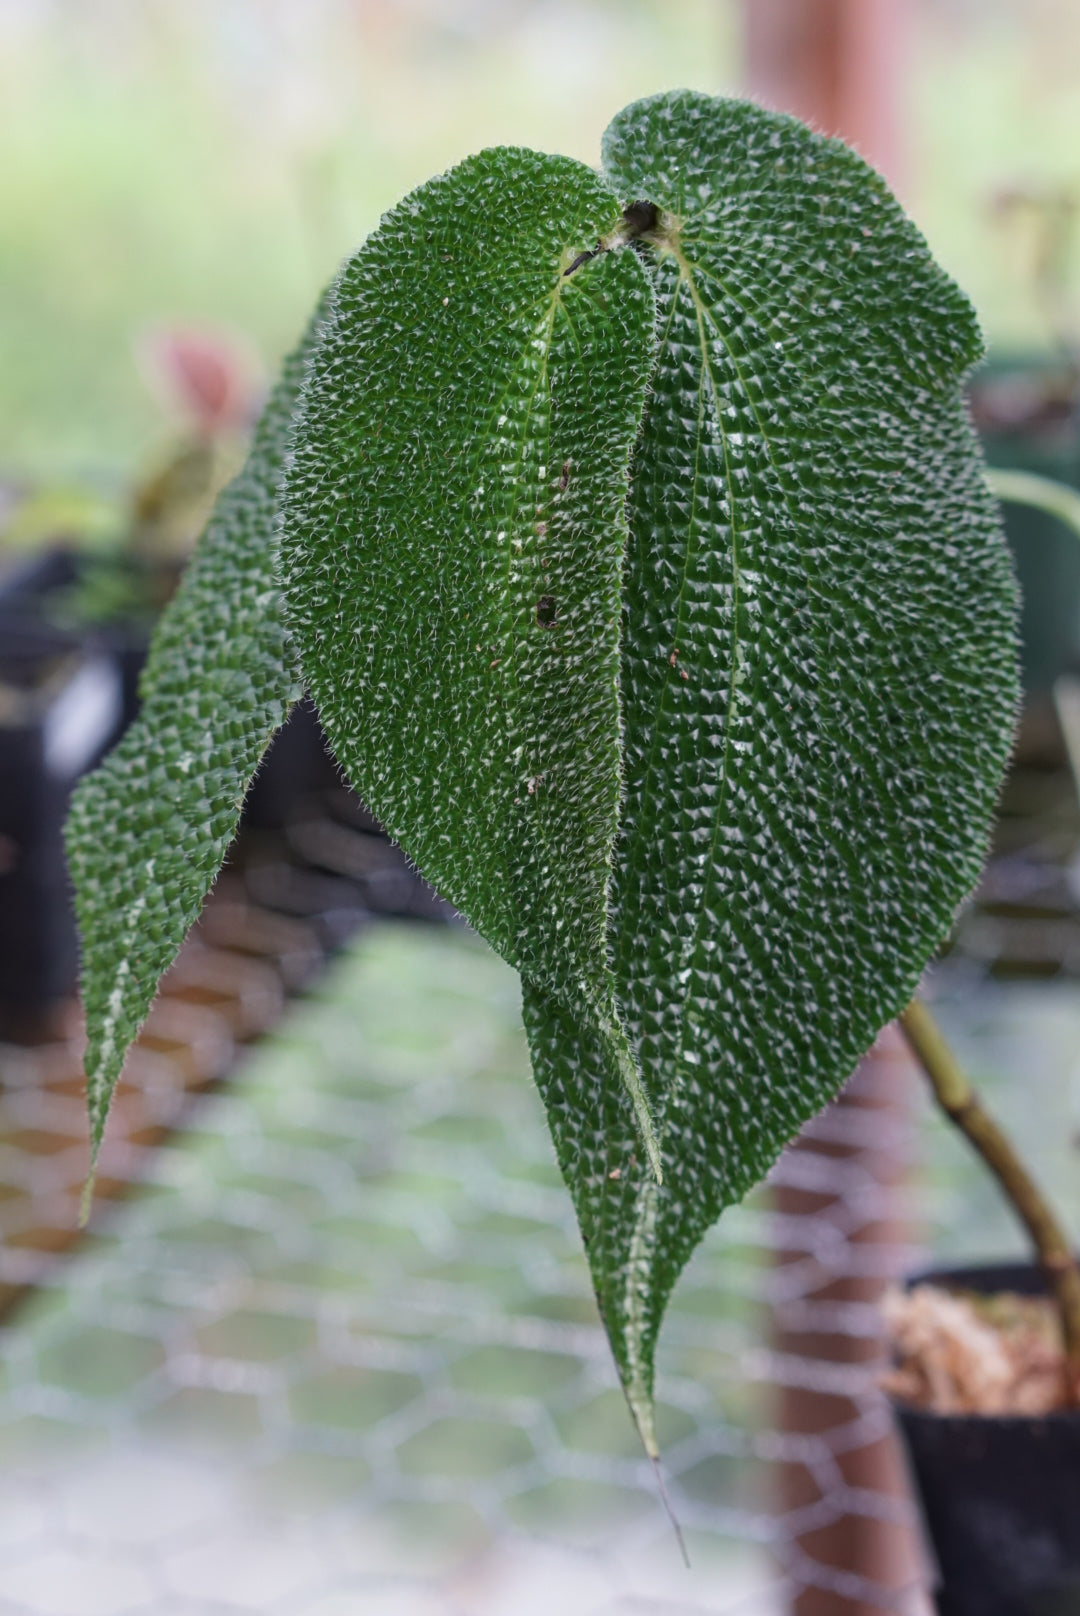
pixel 995 1457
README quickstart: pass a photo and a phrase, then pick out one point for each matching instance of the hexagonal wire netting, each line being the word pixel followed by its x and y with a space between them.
pixel 338 1353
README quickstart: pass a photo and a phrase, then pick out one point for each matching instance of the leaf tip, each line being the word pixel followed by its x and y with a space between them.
pixel 642 1411
pixel 87 1198
pixel 669 1510
pixel 101 1080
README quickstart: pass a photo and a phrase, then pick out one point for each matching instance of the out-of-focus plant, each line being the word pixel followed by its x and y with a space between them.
pixel 129 547
pixel 208 383
pixel 1049 214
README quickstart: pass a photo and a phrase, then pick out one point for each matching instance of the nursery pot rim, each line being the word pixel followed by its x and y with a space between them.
pixel 1022 1278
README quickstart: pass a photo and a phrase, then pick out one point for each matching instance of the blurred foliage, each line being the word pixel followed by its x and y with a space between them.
pixel 62 511
pixel 114 587
pixel 994 99
pixel 213 160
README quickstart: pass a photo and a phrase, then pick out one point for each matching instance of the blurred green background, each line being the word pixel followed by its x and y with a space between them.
pixel 211 161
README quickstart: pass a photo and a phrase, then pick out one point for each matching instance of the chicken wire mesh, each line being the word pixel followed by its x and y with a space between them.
pixel 339 1352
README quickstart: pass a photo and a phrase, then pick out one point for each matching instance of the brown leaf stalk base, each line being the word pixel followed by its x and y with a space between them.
pixel 962 1106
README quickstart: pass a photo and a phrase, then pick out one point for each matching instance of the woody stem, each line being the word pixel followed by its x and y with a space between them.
pixel 966 1112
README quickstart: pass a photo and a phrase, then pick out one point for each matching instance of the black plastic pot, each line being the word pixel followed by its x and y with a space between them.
pixel 32 599
pixel 297 767
pixel 60 707
pixel 65 697
pixel 1000 1496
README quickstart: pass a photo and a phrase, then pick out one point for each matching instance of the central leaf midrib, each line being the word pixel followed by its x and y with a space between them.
pixel 685 278
pixel 507 615
pixel 725 773
pixel 705 315
pixel 650 770
pixel 555 303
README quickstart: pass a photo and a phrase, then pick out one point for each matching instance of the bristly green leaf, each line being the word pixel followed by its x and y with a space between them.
pixel 721 843
pixel 453 547
pixel 818 677
pixel 149 829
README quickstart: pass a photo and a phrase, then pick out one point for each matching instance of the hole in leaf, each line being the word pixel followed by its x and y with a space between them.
pixel 546 611
pixel 641 218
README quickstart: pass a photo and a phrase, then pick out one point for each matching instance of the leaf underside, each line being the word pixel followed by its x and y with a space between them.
pixel 818 677
pixel 453 546
pixel 149 829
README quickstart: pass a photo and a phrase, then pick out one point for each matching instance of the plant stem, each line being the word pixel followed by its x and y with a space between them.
pixel 962 1106
pixel 1025 488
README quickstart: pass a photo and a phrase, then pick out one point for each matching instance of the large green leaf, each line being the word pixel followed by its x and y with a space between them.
pixel 818 676
pixel 453 547
pixel 149 829
pixel 715 782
